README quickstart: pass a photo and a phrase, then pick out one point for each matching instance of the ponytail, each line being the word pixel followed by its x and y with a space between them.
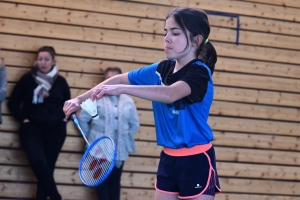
pixel 208 55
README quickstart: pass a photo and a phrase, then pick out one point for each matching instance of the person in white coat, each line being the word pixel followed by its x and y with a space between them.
pixel 118 119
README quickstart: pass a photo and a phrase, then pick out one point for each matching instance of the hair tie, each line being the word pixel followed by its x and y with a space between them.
pixel 206 41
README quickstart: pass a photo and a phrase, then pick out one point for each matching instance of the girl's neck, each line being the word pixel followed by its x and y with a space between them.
pixel 180 64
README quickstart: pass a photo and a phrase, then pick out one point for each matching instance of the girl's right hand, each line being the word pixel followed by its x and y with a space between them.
pixel 71 106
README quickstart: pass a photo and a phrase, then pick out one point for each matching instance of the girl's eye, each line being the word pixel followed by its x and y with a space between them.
pixel 175 34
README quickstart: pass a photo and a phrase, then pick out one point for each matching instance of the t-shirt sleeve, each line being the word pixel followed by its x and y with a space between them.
pixel 197 78
pixel 144 76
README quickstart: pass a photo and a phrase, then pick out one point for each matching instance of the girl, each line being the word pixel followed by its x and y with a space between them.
pixel 37 101
pixel 181 89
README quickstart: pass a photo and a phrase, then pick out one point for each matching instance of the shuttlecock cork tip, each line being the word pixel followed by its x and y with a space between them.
pixel 90 107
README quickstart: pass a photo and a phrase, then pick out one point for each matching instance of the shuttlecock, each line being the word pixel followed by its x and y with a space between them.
pixel 90 107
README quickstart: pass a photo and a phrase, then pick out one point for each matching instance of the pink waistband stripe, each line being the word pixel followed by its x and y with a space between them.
pixel 188 151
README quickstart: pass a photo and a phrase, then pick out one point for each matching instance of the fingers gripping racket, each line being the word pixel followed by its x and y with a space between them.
pixel 98 160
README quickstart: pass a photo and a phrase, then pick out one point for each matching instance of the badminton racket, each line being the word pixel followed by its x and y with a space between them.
pixel 98 159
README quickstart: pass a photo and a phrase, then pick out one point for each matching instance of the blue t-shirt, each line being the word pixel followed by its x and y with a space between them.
pixel 184 122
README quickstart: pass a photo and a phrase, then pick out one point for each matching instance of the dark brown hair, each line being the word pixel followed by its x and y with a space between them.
pixel 196 22
pixel 115 69
pixel 48 49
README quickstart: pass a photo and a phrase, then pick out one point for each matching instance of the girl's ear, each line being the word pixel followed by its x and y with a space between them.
pixel 197 40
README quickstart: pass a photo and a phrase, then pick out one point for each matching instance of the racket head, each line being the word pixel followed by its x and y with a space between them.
pixel 98 161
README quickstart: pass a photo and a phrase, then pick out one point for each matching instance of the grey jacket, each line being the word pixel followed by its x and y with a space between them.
pixel 118 119
pixel 3 87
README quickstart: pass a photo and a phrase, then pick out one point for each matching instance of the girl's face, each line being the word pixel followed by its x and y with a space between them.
pixel 45 62
pixel 176 42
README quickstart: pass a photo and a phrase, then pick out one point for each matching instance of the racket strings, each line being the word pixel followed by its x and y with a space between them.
pixel 98 162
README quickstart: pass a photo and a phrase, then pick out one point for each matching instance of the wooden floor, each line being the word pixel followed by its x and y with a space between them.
pixel 255 114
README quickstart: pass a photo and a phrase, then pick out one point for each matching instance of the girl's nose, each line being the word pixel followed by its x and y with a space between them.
pixel 167 38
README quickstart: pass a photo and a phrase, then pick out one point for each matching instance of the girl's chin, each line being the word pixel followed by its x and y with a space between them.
pixel 170 57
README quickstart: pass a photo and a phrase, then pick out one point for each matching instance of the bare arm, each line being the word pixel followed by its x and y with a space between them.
pixel 73 105
pixel 119 84
pixel 165 94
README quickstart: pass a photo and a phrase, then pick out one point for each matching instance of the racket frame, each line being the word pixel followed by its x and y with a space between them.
pixel 110 167
pixel 90 146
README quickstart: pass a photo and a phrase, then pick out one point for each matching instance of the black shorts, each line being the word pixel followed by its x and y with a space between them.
pixel 188 176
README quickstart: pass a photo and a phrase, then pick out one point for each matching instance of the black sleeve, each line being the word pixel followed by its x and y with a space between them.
pixel 197 78
pixel 66 93
pixel 17 97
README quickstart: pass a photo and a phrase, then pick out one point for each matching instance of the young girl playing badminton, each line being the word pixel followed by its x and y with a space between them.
pixel 181 89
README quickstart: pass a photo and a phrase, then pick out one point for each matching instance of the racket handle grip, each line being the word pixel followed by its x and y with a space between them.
pixel 75 119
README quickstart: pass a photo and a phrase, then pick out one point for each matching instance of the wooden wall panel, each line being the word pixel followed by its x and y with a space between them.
pixel 255 114
pixel 283 3
pixel 236 7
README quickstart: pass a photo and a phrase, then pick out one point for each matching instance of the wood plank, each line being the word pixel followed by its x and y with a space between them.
pixel 260 186
pixel 17 190
pixel 133 179
pixel 258 156
pixel 217 124
pixel 142 55
pixel 100 8
pixel 223 94
pixel 257 67
pixel 26 190
pixel 271 172
pixel 227 196
pixel 144 24
pixel 73 64
pixel 256 81
pixel 222 108
pixel 225 169
pixel 283 3
pixel 83 65
pixel 267 39
pixel 230 139
pixel 88 81
pixel 256 96
pixel 254 111
pixel 151 149
pixel 253 126
pixel 256 141
pixel 228 184
pixel 67 176
pixel 81 49
pixel 138 164
pixel 269 25
pixel 232 124
pixel 86 34
pixel 77 80
pixel 236 7
pixel 11 26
